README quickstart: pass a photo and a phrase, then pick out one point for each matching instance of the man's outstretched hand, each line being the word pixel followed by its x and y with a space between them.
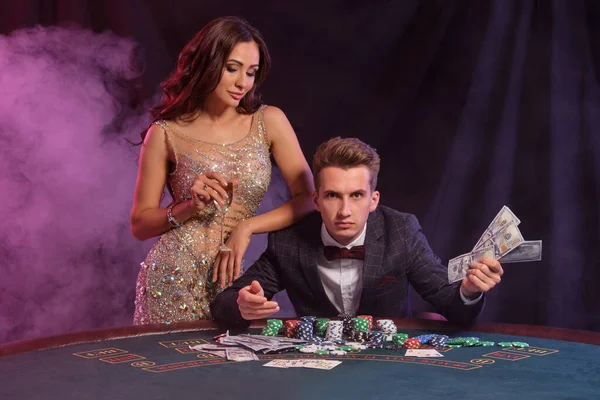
pixel 253 304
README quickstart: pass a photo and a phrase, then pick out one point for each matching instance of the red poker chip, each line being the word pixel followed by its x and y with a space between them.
pixel 412 343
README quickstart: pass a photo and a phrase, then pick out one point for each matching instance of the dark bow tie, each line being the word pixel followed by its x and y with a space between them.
pixel 333 252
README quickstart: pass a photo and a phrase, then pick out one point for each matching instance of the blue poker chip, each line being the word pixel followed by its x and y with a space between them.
pixel 424 338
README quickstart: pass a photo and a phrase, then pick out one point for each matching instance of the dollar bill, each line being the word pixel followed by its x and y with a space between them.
pixel 529 250
pixel 458 266
pixel 505 240
pixel 488 252
pixel 502 241
pixel 238 354
pixel 504 217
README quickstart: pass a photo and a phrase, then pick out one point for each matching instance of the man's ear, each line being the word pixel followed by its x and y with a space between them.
pixel 374 200
pixel 315 198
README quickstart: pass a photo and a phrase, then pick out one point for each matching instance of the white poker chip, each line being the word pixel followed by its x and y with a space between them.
pixel 308 350
pixel 338 352
pixel 356 345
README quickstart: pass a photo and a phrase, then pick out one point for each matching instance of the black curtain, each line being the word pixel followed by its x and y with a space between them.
pixel 471 104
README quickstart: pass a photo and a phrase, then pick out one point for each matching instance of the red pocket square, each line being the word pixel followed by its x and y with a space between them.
pixel 386 281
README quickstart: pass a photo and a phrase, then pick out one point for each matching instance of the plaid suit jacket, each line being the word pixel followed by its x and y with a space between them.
pixel 396 254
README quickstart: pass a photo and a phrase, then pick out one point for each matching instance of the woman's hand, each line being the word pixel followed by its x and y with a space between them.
pixel 208 187
pixel 228 263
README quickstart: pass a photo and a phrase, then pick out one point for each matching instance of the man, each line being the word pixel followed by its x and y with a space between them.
pixel 322 263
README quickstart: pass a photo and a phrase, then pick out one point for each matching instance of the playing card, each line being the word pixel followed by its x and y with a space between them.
pixel 277 364
pixel 218 353
pixel 423 353
pixel 321 364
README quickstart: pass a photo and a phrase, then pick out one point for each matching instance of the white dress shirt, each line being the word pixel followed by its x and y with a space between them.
pixel 342 278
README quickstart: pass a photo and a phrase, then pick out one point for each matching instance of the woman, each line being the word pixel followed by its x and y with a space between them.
pixel 210 133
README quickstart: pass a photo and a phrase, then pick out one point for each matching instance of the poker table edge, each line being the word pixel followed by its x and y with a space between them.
pixel 96 335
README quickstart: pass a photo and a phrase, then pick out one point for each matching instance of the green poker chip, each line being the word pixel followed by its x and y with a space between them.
pixel 471 342
pixel 505 344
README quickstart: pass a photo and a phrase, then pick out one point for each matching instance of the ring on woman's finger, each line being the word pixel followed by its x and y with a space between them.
pixel 205 186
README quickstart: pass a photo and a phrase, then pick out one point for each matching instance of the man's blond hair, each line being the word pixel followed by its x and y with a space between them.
pixel 346 153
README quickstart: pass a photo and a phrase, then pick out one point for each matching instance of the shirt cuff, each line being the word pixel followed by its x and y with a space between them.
pixel 467 301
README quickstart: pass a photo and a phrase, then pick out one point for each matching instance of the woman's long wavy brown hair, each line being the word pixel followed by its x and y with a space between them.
pixel 200 67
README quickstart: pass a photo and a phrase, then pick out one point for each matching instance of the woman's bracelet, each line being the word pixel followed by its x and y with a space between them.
pixel 174 223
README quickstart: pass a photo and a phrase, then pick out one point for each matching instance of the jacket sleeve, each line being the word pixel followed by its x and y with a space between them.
pixel 265 270
pixel 429 277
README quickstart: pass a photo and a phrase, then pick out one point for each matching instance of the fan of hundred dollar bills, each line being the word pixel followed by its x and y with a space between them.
pixel 501 241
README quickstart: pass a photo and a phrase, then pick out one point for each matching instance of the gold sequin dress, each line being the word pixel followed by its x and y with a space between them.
pixel 173 284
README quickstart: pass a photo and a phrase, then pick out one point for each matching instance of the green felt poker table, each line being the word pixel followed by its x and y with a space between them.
pixel 155 362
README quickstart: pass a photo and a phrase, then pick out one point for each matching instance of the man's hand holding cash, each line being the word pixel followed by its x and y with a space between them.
pixel 482 276
pixel 480 270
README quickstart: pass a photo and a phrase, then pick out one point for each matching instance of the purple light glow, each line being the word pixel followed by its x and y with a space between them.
pixel 67 257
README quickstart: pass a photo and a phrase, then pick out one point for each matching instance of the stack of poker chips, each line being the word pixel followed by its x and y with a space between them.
pixel 377 338
pixel 311 319
pixel 290 328
pixel 335 330
pixel 273 327
pixel 360 324
pixel 467 342
pixel 321 326
pixel 305 330
pixel 438 340
pixel 399 338
pixel 358 336
pixel 387 326
pixel 368 318
pixel 425 338
pixel 324 335
pixel 462 342
pixel 412 343
pixel 360 330
pixel 347 321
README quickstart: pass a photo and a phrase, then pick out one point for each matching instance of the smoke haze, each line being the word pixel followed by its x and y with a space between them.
pixel 67 257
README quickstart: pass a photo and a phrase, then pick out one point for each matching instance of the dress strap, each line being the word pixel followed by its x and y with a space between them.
pixel 163 124
pixel 261 129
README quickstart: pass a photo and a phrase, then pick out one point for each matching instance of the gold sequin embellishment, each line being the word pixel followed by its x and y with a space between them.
pixel 173 284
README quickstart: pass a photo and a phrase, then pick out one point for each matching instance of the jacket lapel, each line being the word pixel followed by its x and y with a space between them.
pixel 373 263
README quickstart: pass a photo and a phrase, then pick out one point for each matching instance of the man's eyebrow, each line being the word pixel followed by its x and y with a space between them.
pixel 241 64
